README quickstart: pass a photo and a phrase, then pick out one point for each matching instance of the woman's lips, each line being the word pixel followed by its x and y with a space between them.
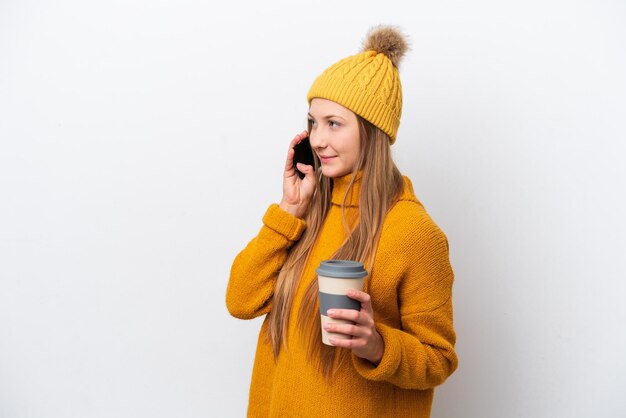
pixel 326 159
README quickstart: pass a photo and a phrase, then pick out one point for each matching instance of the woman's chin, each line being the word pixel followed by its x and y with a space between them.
pixel 333 172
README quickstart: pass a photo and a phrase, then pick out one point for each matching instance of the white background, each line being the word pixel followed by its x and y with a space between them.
pixel 141 142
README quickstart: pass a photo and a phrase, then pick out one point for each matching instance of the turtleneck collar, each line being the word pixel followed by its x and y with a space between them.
pixel 340 185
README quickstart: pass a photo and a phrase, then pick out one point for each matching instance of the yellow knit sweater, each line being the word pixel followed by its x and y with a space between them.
pixel 410 286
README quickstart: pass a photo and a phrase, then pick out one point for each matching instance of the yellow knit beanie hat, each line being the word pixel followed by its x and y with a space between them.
pixel 368 83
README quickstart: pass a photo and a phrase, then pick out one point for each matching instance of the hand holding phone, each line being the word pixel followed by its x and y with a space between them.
pixel 302 154
pixel 298 190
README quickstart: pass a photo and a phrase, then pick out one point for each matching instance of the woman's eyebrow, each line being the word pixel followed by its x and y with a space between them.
pixel 329 117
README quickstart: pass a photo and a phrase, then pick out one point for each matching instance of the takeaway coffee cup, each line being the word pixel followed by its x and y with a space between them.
pixel 335 278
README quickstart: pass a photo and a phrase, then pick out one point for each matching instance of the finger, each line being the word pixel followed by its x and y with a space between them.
pixel 289 163
pixel 299 137
pixel 308 170
pixel 364 298
pixel 343 343
pixel 349 314
pixel 347 329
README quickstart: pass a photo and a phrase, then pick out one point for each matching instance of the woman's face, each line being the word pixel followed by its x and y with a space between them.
pixel 334 137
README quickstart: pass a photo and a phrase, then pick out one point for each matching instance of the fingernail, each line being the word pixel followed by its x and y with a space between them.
pixel 331 312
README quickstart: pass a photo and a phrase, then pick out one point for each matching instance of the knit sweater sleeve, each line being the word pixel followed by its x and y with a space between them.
pixel 419 349
pixel 256 267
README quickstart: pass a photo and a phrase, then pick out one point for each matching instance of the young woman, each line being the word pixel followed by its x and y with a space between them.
pixel 352 204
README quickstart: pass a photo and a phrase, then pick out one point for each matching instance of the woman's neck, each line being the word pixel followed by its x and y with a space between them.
pixel 344 184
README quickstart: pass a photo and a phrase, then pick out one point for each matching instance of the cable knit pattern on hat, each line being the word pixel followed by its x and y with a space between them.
pixel 411 288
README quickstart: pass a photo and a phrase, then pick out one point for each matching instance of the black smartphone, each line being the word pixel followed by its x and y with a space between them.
pixel 303 154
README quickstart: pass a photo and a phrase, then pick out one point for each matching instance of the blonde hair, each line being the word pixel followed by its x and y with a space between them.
pixel 381 185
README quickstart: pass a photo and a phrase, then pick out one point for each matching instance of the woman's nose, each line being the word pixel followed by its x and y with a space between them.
pixel 317 141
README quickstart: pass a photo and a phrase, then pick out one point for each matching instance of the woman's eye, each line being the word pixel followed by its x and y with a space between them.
pixel 311 121
pixel 333 123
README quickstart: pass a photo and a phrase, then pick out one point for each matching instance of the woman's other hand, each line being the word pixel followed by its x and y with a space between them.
pixel 366 342
pixel 297 192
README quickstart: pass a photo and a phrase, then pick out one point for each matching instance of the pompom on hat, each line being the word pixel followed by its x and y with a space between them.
pixel 368 83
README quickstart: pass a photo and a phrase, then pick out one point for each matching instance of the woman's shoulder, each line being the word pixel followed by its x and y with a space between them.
pixel 407 199
pixel 409 221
